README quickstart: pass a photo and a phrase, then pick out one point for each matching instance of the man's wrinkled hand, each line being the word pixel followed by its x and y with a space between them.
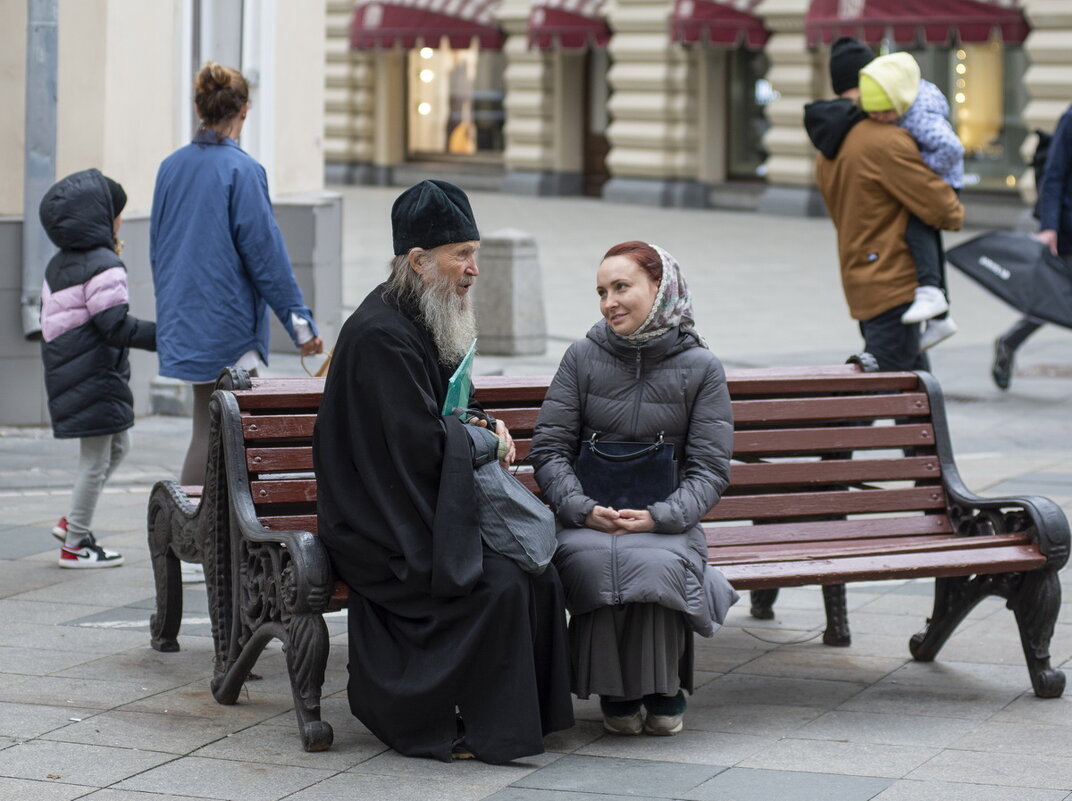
pixel 503 433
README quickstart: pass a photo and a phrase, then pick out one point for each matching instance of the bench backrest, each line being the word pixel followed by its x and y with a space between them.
pixel 819 455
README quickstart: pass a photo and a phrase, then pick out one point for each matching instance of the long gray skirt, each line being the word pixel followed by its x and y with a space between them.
pixel 629 651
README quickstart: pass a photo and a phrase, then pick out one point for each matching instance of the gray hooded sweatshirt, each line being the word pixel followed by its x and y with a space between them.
pixel 632 392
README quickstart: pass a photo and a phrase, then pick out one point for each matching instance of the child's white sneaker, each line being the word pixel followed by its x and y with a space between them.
pixel 937 331
pixel 87 554
pixel 930 302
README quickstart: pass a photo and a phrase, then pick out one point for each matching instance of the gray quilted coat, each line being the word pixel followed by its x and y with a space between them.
pixel 631 393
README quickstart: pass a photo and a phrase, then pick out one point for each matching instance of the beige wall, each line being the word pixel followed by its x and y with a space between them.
pixel 13 102
pixel 299 103
pixel 117 109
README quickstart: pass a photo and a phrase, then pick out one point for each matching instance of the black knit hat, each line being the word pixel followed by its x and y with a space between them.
pixel 847 57
pixel 430 214
pixel 119 197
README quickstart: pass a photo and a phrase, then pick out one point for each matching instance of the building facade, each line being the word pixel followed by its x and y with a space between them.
pixel 668 102
pixel 120 89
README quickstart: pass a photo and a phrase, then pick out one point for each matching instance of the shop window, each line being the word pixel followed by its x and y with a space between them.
pixel 749 95
pixel 455 102
pixel 984 85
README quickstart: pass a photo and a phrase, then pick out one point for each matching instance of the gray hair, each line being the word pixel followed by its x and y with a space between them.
pixel 405 283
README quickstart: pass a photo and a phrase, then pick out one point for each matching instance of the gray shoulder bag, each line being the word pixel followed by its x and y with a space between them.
pixel 513 521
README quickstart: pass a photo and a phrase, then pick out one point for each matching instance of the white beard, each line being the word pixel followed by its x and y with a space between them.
pixel 450 318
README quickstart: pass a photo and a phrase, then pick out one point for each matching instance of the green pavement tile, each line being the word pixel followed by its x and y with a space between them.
pixel 278 746
pixel 46 790
pixel 989 767
pixel 223 779
pixel 885 729
pixel 68 763
pixel 395 788
pixel 742 784
pixel 97 693
pixel 850 759
pixel 524 794
pixel 171 733
pixel 26 721
pixel 692 746
pixel 909 790
pixel 636 778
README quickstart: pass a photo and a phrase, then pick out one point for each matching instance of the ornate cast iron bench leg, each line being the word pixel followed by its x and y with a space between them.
pixel 1035 599
pixel 1036 603
pixel 763 604
pixel 837 616
pixel 264 599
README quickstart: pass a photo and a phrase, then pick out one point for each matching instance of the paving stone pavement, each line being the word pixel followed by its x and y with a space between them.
pixel 88 710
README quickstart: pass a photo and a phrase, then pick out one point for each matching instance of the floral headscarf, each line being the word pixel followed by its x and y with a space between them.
pixel 672 306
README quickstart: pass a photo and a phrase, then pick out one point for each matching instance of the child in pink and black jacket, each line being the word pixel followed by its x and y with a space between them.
pixel 87 331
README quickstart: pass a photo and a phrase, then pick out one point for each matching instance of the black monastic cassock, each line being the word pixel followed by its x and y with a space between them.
pixel 439 626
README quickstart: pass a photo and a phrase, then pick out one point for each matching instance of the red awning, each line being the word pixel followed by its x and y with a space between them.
pixel 404 23
pixel 567 24
pixel 722 22
pixel 911 21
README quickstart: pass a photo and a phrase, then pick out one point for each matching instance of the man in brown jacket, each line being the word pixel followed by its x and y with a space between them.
pixel 872 177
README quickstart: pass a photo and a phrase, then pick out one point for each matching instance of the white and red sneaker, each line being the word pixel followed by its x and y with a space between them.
pixel 59 531
pixel 87 554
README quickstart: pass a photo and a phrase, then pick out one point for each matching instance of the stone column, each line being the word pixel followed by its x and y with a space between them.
pixel 652 133
pixel 799 76
pixel 509 296
pixel 544 96
pixel 529 130
pixel 1049 47
pixel 388 122
pixel 348 107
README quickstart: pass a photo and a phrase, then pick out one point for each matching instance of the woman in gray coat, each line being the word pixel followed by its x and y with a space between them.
pixel 637 581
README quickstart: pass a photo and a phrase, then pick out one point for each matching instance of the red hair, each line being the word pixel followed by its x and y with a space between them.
pixel 642 255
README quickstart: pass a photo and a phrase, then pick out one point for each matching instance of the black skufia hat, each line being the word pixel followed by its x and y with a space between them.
pixel 430 214
pixel 847 57
pixel 119 197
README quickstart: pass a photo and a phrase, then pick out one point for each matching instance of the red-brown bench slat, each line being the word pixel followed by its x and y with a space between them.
pixel 290 523
pixel 781 384
pixel 803 504
pixel 790 441
pixel 817 530
pixel 860 407
pixel 282 459
pixel 834 470
pixel 781 552
pixel 278 426
pixel 297 490
pixel 898 566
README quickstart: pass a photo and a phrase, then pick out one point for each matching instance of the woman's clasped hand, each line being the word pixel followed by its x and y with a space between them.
pixel 619 521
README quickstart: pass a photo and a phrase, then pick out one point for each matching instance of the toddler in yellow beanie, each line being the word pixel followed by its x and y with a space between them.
pixel 892 90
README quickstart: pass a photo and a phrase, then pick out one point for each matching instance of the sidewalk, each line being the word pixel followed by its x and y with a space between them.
pixel 88 710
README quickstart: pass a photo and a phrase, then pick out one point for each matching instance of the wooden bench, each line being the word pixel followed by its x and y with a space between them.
pixel 839 475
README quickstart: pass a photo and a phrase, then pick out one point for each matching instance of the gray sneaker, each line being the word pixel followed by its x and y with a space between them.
pixel 666 714
pixel 622 717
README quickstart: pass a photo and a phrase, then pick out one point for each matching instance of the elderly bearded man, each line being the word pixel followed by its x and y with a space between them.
pixel 454 650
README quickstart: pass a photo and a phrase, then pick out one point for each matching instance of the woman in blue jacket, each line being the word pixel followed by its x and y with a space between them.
pixel 218 257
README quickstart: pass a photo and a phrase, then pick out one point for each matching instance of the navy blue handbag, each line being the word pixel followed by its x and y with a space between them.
pixel 626 475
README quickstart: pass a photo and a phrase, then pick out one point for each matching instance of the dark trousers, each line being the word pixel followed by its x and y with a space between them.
pixel 925 245
pixel 1020 331
pixel 894 344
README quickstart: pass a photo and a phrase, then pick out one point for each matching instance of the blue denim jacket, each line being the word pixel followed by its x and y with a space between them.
pixel 218 260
